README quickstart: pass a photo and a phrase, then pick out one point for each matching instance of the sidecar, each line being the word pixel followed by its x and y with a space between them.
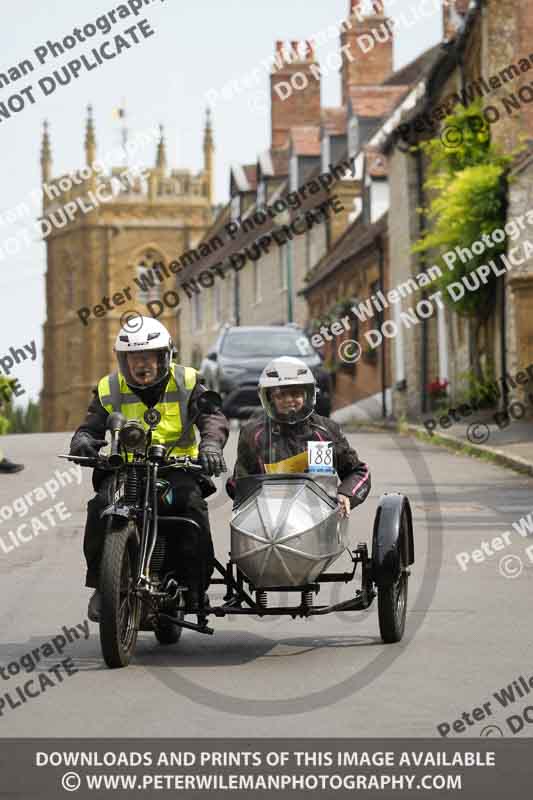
pixel 285 534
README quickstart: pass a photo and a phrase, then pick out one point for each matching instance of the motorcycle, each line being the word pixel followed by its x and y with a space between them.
pixel 285 533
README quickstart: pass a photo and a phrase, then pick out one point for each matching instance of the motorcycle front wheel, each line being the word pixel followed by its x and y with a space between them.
pixel 166 632
pixel 120 610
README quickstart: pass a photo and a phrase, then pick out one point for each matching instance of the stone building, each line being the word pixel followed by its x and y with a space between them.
pixel 306 140
pixel 484 56
pixel 99 251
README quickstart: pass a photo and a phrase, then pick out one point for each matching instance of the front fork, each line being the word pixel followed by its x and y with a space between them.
pixel 150 526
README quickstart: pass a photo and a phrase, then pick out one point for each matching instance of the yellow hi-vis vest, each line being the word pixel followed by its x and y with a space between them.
pixel 115 395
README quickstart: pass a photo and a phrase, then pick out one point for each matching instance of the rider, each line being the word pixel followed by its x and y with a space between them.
pixel 148 378
pixel 277 439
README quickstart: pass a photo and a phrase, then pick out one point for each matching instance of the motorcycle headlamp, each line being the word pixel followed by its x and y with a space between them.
pixel 133 436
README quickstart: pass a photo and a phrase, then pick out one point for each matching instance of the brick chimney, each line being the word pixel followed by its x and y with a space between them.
pixel 295 85
pixel 369 39
pixel 453 12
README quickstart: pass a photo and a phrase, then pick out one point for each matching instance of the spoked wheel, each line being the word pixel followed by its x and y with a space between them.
pixel 120 613
pixel 166 632
pixel 392 599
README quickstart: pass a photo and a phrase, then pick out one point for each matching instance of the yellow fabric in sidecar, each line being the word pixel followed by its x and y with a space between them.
pixel 297 463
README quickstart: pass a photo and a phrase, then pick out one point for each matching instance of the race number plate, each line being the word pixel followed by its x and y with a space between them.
pixel 320 457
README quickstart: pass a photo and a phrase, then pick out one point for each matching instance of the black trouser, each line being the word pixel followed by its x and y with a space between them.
pixel 194 548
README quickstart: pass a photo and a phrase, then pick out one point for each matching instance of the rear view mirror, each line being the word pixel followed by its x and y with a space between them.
pixel 209 402
pixel 213 356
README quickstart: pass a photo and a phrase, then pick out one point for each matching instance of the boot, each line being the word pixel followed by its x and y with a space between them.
pixel 9 467
pixel 196 601
pixel 95 606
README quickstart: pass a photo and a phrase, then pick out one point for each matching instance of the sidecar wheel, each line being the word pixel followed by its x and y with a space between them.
pixel 392 607
pixel 120 612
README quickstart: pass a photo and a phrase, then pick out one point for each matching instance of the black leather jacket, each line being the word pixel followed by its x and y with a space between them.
pixel 263 441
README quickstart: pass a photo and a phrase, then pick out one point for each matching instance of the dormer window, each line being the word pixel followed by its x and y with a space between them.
pixel 353 136
pixel 294 173
pixel 236 208
pixel 326 153
pixel 261 194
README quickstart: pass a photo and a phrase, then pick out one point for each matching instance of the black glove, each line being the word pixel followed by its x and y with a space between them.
pixel 85 446
pixel 212 460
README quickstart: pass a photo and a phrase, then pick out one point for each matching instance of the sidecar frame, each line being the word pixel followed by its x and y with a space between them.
pixel 384 574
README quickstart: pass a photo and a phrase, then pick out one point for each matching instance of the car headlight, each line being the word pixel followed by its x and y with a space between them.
pixel 232 372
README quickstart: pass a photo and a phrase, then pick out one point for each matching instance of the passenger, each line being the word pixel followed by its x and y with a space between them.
pixel 277 439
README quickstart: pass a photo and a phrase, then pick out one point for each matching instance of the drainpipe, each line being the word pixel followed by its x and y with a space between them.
pixel 503 300
pixel 422 262
pixel 237 283
pixel 381 255
pixel 237 299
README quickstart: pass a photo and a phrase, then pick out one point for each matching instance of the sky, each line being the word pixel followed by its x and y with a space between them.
pixel 196 50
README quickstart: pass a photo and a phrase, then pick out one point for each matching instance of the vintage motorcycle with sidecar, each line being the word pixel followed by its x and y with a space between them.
pixel 285 533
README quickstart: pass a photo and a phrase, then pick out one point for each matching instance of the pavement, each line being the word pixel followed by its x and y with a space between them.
pixel 511 446
pixel 468 631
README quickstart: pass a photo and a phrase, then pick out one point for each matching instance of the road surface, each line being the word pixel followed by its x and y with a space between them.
pixel 468 631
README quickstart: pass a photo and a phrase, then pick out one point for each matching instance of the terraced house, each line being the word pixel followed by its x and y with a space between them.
pixel 299 281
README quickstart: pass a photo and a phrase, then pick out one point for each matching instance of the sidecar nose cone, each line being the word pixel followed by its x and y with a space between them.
pixel 286 534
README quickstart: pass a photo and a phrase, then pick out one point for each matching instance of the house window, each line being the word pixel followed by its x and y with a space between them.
pixel 294 173
pixel 353 136
pixel 230 303
pixel 311 256
pixel 235 208
pixel 261 194
pixel 217 303
pixel 147 277
pixel 197 312
pixel 256 283
pixel 326 153
pixel 374 289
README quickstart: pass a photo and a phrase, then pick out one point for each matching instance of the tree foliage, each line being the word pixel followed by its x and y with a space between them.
pixel 26 420
pixel 16 419
pixel 466 182
pixel 6 395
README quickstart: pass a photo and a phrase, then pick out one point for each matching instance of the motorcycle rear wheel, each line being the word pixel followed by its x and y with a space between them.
pixel 120 611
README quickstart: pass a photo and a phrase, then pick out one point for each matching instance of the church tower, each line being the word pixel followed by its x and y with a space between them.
pixel 104 229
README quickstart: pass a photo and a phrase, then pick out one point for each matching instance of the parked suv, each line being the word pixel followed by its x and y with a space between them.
pixel 233 365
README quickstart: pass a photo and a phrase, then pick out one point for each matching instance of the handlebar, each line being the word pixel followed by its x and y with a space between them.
pixel 103 462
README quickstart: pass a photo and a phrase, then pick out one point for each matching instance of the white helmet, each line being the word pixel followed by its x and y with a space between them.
pixel 282 373
pixel 141 334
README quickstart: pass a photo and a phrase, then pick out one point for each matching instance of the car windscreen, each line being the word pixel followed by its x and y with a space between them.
pixel 270 344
